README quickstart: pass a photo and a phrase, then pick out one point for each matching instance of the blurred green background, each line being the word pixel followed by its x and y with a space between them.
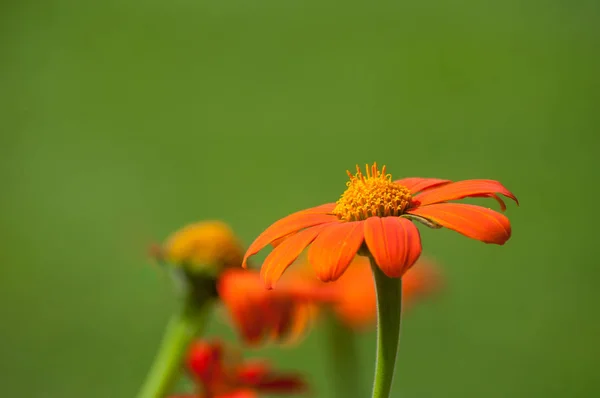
pixel 121 121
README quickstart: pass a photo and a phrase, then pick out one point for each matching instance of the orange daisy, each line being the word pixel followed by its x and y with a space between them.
pixel 220 372
pixel 374 215
pixel 269 315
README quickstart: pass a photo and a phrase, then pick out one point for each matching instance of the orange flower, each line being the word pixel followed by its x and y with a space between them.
pixel 260 314
pixel 377 212
pixel 355 299
pixel 221 373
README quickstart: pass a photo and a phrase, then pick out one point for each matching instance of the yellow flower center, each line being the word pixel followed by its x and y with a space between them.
pixel 373 195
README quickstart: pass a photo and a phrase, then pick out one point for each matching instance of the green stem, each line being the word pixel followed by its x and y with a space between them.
pixel 183 327
pixel 345 371
pixel 389 305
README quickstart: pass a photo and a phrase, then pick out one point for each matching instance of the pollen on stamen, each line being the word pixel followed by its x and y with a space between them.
pixel 372 194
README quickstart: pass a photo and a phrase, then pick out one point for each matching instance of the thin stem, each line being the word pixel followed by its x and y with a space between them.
pixel 389 306
pixel 183 327
pixel 344 361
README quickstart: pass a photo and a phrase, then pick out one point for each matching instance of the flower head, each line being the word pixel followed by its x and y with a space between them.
pixel 220 372
pixel 205 247
pixel 374 217
pixel 196 255
pixel 261 315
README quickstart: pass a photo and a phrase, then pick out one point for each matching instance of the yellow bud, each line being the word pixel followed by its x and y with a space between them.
pixel 205 247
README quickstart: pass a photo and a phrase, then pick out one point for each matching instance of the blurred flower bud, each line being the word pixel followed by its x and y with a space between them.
pixel 198 253
pixel 205 247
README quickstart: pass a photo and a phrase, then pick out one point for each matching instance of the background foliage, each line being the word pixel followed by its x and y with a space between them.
pixel 123 120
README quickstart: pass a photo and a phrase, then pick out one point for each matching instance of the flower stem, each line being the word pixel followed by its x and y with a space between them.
pixel 183 327
pixel 344 361
pixel 389 306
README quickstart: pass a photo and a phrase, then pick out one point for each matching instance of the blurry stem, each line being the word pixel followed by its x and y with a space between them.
pixel 344 361
pixel 389 305
pixel 183 327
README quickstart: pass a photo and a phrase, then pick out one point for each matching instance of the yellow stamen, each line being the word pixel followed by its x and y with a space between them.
pixel 372 195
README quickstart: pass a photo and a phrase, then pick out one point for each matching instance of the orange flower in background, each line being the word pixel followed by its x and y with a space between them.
pixel 356 299
pixel 259 314
pixel 352 297
pixel 377 212
pixel 219 372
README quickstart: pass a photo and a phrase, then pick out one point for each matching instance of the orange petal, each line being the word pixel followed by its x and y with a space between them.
pixel 282 384
pixel 242 393
pixel 394 243
pixel 252 371
pixel 286 253
pixel 463 189
pixel 475 222
pixel 356 305
pixel 497 199
pixel 204 359
pixel 259 375
pixel 301 321
pixel 327 208
pixel 287 225
pixel 335 247
pixel 243 294
pixel 276 242
pixel 417 184
pixel 324 208
pixel 421 280
pixel 282 310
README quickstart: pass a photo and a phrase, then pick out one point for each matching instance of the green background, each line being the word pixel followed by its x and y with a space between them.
pixel 121 121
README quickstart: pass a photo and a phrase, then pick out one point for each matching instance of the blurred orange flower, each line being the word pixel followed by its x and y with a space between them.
pixel 355 299
pixel 377 212
pixel 260 314
pixel 220 372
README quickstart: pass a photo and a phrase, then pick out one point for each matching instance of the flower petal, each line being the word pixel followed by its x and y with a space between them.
pixel 417 184
pixel 324 208
pixel 462 189
pixel 204 359
pixel 394 243
pixel 335 247
pixel 496 198
pixel 303 315
pixel 356 305
pixel 259 375
pixel 276 384
pixel 423 279
pixel 475 222
pixel 242 393
pixel 277 241
pixel 244 296
pixel 286 253
pixel 287 225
